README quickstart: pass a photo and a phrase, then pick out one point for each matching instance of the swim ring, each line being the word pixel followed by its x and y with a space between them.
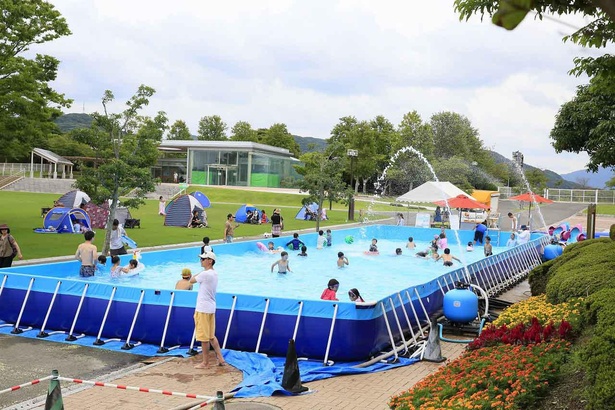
pixel 261 246
pixel 349 239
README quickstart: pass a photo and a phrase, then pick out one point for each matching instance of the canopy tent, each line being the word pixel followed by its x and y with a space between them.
pixel 63 220
pixel 202 198
pixel 531 198
pixel 179 211
pixel 431 191
pixel 462 201
pixel 308 212
pixel 241 215
pixel 74 199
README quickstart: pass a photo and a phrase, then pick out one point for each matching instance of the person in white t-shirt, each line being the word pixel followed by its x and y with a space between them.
pixel 524 235
pixel 116 245
pixel 205 312
pixel 321 241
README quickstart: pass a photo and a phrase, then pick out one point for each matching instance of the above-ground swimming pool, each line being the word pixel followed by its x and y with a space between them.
pixel 259 310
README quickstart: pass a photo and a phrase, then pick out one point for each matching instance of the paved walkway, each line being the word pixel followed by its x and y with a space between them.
pixel 368 391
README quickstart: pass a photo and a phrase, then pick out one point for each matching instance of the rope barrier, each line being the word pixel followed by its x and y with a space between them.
pixel 32 383
pixel 140 389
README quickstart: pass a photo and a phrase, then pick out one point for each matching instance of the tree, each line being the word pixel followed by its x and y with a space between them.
pixel 278 136
pixel 179 131
pixel 212 128
pixel 242 131
pixel 455 170
pixel 28 104
pixel 610 184
pixel 454 135
pixel 127 145
pixel 583 124
pixel 416 134
pixel 322 178
pixel 537 179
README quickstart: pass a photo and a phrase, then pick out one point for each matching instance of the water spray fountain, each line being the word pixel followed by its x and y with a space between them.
pixel 518 165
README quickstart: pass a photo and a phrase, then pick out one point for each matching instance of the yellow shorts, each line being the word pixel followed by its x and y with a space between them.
pixel 205 325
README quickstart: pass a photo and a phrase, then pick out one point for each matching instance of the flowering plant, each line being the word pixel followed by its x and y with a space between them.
pixel 521 334
pixel 538 307
pixel 502 377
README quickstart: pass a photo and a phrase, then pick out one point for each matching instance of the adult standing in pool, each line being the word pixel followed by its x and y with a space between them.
pixel 115 244
pixel 205 311
pixel 276 223
pixel 8 247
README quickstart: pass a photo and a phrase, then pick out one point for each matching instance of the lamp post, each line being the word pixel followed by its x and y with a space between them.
pixel 352 153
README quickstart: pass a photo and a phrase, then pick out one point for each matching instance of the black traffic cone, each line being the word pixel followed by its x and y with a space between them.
pixel 291 380
pixel 433 351
pixel 54 394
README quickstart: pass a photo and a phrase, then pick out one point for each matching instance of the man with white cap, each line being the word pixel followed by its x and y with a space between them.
pixel 205 312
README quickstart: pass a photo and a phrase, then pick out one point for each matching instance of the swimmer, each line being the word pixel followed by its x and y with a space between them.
pixel 411 245
pixel 488 247
pixel 354 295
pixel 271 248
pixel 447 258
pixel 427 252
pixel 470 247
pixel 282 263
pixel 117 270
pixel 373 248
pixel 184 282
pixel 303 251
pixel 341 260
pixel 398 251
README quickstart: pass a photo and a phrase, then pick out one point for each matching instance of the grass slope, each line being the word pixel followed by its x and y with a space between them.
pixel 21 211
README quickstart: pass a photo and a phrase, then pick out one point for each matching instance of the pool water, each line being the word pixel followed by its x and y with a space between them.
pixel 375 276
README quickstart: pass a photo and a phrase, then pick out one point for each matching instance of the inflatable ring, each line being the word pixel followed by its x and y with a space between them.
pixel 261 246
pixel 349 239
pixel 134 272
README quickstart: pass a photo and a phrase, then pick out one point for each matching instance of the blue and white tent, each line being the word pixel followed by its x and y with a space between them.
pixel 179 211
pixel 202 198
pixel 74 199
pixel 63 220
pixel 313 207
pixel 241 215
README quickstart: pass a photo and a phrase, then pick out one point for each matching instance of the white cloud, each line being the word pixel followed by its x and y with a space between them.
pixel 309 63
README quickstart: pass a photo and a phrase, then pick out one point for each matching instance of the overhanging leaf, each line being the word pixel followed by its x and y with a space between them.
pixel 511 13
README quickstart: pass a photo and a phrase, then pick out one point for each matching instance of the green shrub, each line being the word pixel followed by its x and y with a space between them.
pixel 596 356
pixel 583 268
pixel 539 276
pixel 612 232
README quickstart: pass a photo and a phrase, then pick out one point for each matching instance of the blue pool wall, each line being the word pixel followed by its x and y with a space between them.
pixel 359 332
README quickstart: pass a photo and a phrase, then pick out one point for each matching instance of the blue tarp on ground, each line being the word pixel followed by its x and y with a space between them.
pixel 262 375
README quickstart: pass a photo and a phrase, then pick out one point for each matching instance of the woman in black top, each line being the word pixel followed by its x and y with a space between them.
pixel 276 223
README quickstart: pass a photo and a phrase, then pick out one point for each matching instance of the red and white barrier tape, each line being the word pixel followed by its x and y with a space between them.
pixel 141 389
pixel 32 383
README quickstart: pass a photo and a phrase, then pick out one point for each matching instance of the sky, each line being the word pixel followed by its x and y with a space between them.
pixel 308 63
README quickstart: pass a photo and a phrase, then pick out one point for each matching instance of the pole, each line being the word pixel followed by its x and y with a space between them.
pixel 351 202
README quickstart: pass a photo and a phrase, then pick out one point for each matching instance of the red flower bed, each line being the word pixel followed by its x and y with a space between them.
pixel 521 334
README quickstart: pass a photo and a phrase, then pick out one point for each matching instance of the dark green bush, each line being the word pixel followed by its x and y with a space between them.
pixel 612 232
pixel 539 276
pixel 583 268
pixel 596 356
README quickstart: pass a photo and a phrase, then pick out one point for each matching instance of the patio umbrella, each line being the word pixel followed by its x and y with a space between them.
pixel 462 201
pixel 531 198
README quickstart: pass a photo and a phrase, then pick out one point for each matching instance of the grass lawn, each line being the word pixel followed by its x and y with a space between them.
pixel 22 210
pixel 605 209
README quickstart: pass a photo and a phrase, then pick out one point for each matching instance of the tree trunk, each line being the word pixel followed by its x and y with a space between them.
pixel 107 245
pixel 365 181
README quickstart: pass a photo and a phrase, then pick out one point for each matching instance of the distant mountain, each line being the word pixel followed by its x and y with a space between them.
pixel 310 144
pixel 589 179
pixel 554 180
pixel 68 122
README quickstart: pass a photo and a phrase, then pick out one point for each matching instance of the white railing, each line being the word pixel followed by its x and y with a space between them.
pixel 597 196
pixel 18 168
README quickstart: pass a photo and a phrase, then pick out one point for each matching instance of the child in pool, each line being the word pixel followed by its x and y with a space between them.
pixel 329 239
pixel 354 295
pixel 117 270
pixel 341 260
pixel 398 251
pixel 321 241
pixel 272 249
pixel 470 247
pixel 512 242
pixel 411 245
pixel 331 292
pixel 303 251
pixel 373 247
pixel 488 247
pixel 447 258
pixel 282 263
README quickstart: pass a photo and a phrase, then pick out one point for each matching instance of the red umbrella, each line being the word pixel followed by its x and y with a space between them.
pixel 462 201
pixel 531 198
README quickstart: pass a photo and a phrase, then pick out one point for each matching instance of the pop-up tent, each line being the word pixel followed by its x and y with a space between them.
pixel 202 198
pixel 241 215
pixel 74 199
pixel 431 191
pixel 62 220
pixel 308 212
pixel 179 211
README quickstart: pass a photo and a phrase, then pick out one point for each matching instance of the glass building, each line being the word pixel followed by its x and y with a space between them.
pixel 236 163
